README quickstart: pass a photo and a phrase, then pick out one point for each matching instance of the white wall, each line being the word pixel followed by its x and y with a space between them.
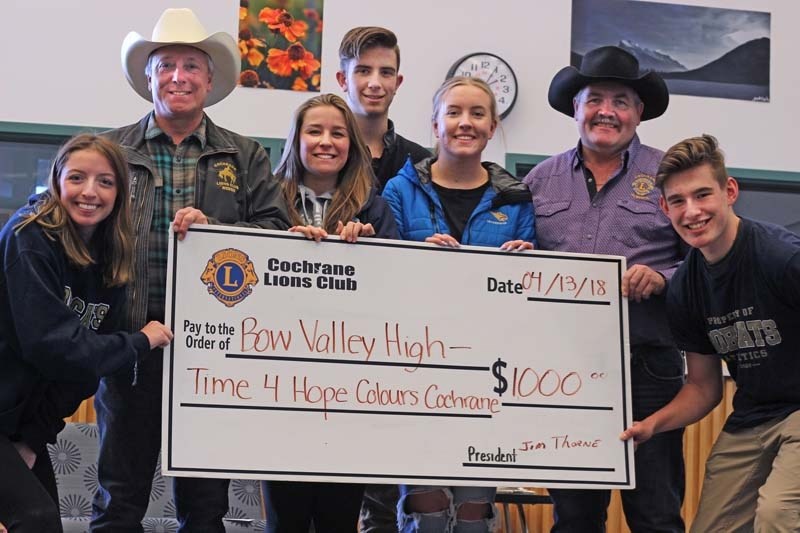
pixel 60 65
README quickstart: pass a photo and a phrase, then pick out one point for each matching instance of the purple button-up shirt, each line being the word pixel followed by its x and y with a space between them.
pixel 623 218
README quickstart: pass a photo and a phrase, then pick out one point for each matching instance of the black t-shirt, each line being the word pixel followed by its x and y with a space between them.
pixel 458 205
pixel 746 309
pixel 396 150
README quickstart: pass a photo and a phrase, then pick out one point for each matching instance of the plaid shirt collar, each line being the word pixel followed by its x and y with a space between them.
pixel 153 131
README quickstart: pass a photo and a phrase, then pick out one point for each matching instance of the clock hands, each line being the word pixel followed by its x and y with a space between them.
pixel 495 72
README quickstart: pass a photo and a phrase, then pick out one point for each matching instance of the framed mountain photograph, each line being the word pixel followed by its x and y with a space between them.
pixel 699 51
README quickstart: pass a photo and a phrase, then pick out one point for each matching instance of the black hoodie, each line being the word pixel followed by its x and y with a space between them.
pixel 55 333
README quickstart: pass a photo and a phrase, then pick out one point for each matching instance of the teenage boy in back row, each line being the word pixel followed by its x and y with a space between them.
pixel 369 59
pixel 369 62
pixel 735 297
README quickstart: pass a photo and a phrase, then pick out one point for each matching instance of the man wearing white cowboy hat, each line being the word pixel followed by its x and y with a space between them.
pixel 600 197
pixel 184 170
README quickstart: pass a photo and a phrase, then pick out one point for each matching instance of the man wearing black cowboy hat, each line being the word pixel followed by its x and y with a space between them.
pixel 600 197
pixel 184 170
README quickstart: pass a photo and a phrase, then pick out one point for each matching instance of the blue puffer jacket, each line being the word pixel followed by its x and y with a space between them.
pixel 504 213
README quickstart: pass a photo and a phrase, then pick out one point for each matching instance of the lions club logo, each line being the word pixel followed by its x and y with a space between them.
pixel 229 276
pixel 226 177
pixel 643 185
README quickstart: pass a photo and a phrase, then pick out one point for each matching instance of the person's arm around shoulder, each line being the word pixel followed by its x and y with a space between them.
pixel 698 396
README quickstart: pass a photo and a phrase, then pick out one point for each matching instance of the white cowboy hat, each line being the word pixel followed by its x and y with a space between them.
pixel 181 26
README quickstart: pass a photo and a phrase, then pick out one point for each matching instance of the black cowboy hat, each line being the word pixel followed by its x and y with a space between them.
pixel 609 63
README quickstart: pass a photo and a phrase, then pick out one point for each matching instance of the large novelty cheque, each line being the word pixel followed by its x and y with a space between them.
pixel 387 361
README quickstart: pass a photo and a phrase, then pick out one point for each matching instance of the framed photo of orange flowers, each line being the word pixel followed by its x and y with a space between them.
pixel 280 42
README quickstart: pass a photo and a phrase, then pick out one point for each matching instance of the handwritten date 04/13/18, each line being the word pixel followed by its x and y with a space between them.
pixel 557 285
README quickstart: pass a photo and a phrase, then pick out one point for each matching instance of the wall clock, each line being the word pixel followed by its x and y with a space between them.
pixel 495 71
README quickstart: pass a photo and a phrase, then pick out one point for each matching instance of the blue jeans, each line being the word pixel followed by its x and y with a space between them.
pixel 129 418
pixel 445 521
pixel 655 504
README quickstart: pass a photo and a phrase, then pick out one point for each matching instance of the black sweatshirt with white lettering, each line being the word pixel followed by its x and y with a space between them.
pixel 58 333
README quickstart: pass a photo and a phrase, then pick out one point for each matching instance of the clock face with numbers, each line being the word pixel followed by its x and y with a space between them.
pixel 495 72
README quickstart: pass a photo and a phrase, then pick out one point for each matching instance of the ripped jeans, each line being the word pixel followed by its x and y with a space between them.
pixel 446 521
